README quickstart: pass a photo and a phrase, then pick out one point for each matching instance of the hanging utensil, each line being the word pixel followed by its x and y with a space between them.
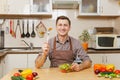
pixel 11 27
pixel 41 29
pixel 18 26
pixel 23 34
pixel 33 32
pixel 13 32
pixel 48 33
pixel 27 34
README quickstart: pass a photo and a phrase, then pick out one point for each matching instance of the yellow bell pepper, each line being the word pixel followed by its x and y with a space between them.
pixel 26 72
pixel 110 67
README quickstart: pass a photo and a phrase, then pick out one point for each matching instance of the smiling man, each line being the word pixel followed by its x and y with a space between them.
pixel 63 48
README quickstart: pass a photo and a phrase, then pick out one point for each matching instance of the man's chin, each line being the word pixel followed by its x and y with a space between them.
pixel 63 35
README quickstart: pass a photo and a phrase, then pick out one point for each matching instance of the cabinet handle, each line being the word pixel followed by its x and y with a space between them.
pixel 106 59
pixel 103 59
pixel 99 9
pixel 102 10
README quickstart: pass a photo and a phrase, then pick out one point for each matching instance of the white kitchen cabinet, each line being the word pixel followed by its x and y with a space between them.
pixel 18 6
pixel 96 58
pixel 3 6
pixel 41 6
pixel 99 8
pixel 109 7
pixel 1 66
pixel 112 58
pixel 26 9
pixel 31 61
pixel 12 61
pixel 89 7
pixel 46 64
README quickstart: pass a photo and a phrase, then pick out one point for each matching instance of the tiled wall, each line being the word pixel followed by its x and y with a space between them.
pixel 78 25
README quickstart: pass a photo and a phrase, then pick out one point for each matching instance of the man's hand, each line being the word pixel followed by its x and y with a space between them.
pixel 76 67
pixel 45 49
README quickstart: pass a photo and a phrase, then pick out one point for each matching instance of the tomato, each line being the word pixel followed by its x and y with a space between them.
pixel 16 74
pixel 29 77
pixel 103 70
pixel 117 71
pixel 64 71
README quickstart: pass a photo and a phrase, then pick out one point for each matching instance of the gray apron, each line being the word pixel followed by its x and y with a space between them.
pixel 59 57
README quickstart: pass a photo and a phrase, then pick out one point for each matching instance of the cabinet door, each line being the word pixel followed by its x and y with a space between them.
pixel 31 61
pixel 109 7
pixel 18 6
pixel 15 61
pixel 1 67
pixel 97 58
pixel 89 7
pixel 3 6
pixel 41 6
pixel 114 58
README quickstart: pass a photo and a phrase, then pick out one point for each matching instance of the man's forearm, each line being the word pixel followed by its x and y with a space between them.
pixel 85 64
pixel 40 60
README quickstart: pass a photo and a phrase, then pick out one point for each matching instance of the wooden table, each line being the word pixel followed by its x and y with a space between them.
pixel 55 74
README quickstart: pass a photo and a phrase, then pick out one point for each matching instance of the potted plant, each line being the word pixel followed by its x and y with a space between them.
pixel 85 37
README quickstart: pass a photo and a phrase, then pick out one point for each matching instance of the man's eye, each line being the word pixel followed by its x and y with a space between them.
pixel 65 25
pixel 59 24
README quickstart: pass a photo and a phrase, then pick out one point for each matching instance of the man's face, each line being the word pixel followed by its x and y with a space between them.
pixel 62 27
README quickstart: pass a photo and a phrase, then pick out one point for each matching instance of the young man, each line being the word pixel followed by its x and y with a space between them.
pixel 63 48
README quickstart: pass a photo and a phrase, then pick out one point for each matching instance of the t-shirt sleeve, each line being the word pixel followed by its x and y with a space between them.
pixel 81 52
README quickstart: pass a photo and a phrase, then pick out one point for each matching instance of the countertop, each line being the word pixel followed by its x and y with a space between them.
pixel 36 51
pixel 19 51
pixel 3 52
pixel 55 74
pixel 105 51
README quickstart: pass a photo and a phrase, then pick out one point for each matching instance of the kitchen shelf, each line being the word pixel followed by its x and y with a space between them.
pixel 21 16
pixel 97 16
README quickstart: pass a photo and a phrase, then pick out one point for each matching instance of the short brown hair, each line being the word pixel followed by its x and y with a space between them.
pixel 63 17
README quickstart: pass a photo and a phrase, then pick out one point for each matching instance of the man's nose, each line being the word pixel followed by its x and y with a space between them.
pixel 62 27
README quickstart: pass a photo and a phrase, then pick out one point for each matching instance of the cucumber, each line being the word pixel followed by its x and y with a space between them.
pixel 15 78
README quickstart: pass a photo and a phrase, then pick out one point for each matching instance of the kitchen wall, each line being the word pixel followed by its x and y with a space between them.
pixel 117 25
pixel 78 25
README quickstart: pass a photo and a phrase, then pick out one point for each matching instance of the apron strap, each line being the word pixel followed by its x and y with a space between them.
pixel 54 46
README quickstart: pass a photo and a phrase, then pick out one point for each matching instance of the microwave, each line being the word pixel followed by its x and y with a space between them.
pixel 106 41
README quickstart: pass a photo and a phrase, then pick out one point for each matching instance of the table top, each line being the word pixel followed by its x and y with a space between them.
pixel 55 74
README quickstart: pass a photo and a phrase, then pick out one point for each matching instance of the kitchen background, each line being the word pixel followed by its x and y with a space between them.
pixel 78 24
pixel 102 13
